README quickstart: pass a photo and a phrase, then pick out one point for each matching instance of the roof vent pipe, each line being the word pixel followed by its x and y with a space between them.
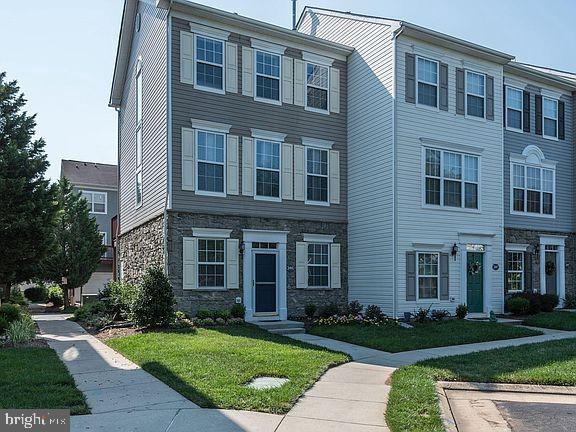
pixel 294 14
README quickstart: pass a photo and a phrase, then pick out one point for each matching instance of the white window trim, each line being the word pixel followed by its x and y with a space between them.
pixel 437 107
pixel 210 32
pixel 198 263
pixel 544 117
pixel 318 59
pixel 418 299
pixel 327 176
pixel 466 72
pixel 441 206
pixel 223 65
pixel 515 271
pixel 541 167
pixel 279 78
pixel 267 135
pixel 256 168
pixel 516 247
pixel 211 232
pixel 104 238
pixel 510 128
pixel 312 109
pixel 319 265
pixel 197 162
pixel 318 238
pixel 91 211
pixel 210 126
pixel 318 143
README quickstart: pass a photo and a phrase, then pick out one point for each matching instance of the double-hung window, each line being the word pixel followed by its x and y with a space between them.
pixel 267 169
pixel 211 261
pixel 451 179
pixel 428 275
pixel 514 271
pixel 318 265
pixel 514 108
pixel 532 189
pixel 211 158
pixel 316 175
pixel 267 76
pixel 209 63
pixel 427 77
pixel 475 94
pixel 97 201
pixel 550 117
pixel 317 87
pixel 138 180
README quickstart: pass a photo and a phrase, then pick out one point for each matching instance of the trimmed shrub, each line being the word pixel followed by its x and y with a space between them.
pixel 3 324
pixel 461 311
pixel 238 311
pixel 55 295
pixel 119 299
pixel 422 315
pixel 518 305
pixel 203 313
pixel 87 312
pixel 310 310
pixel 374 313
pixel 154 305
pixel 10 312
pixel 439 314
pixel 16 297
pixel 354 308
pixel 549 302
pixel 21 331
pixel 329 310
pixel 36 294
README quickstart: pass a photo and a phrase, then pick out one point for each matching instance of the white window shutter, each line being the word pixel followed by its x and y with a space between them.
pixel 187 57
pixel 231 67
pixel 232 267
pixel 189 251
pixel 232 165
pixel 301 265
pixel 299 174
pixel 334 177
pixel 287 79
pixel 334 90
pixel 247 71
pixel 188 164
pixel 287 172
pixel 247 166
pixel 299 82
pixel 335 267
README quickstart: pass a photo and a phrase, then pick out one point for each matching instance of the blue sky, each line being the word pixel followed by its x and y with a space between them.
pixel 62 52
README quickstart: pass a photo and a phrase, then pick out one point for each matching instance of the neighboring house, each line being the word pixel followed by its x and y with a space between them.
pixel 539 180
pixel 233 159
pixel 427 189
pixel 99 186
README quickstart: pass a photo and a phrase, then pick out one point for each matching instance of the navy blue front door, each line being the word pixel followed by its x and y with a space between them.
pixel 265 282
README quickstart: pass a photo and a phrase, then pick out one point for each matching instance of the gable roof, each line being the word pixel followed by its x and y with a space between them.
pixel 90 173
pixel 553 77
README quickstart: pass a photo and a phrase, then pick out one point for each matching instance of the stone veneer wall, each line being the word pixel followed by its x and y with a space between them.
pixel 141 248
pixel 531 237
pixel 180 225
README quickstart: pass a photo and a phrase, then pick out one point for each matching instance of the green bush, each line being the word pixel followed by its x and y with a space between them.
pixel 36 294
pixel 354 308
pixel 461 311
pixel 310 310
pixel 119 298
pixel 10 312
pixel 518 305
pixel 570 300
pixel 329 310
pixel 374 313
pixel 154 305
pixel 55 295
pixel 16 297
pixel 203 314
pixel 238 311
pixel 3 324
pixel 549 302
pixel 21 331
pixel 86 312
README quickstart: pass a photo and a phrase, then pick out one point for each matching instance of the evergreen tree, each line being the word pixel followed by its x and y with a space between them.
pixel 78 244
pixel 27 206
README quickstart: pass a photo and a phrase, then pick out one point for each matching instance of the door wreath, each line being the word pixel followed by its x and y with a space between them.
pixel 474 267
pixel 550 268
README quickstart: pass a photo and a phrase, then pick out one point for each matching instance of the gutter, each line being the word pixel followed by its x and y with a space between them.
pixel 168 204
pixel 548 78
pixel 395 35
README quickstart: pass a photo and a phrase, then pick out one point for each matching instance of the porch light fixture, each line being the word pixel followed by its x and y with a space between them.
pixel 454 251
pixel 242 248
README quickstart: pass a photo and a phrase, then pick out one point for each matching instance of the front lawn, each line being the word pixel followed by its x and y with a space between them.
pixel 413 403
pixel 211 366
pixel 393 338
pixel 36 378
pixel 558 320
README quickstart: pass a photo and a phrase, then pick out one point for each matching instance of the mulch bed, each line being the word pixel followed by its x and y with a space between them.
pixel 35 343
pixel 112 333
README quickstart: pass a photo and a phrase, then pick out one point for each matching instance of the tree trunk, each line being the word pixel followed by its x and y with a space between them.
pixel 7 289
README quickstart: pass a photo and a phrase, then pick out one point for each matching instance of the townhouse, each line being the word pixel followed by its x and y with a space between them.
pixel 233 159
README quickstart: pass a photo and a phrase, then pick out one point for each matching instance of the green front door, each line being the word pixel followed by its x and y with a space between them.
pixel 475 286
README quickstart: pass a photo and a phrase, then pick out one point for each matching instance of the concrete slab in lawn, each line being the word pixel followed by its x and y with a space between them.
pixel 114 378
pixel 292 424
pixel 123 421
pixel 213 420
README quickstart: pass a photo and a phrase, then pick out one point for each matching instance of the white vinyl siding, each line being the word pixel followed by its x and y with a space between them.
pixel 533 190
pixel 427 82
pixel 549 118
pixel 514 271
pixel 475 94
pixel 514 108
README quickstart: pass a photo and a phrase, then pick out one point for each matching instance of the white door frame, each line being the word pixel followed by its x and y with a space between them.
pixel 559 241
pixel 265 236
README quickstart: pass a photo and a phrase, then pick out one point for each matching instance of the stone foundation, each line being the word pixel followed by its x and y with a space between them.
pixel 139 249
pixel 180 225
pixel 532 238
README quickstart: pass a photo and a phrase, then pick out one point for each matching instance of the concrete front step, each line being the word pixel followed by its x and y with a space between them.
pixel 282 327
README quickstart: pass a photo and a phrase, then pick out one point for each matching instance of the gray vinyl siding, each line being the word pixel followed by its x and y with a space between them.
pixel 561 151
pixel 104 220
pixel 150 44
pixel 370 150
pixel 243 113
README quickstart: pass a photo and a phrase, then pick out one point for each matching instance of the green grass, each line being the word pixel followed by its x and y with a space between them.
pixel 413 404
pixel 36 378
pixel 393 338
pixel 211 366
pixel 554 320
